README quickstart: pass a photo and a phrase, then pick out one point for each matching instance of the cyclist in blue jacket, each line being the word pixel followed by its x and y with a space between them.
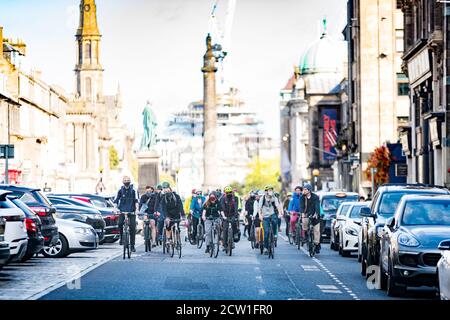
pixel 196 211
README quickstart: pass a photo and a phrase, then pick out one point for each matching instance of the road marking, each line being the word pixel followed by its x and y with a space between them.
pixel 327 286
pixel 349 291
pixel 262 292
pixel 332 291
pixel 310 268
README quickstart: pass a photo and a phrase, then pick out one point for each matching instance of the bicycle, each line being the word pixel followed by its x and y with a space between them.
pixel 200 234
pixel 298 233
pixel 310 239
pixel 126 236
pixel 147 236
pixel 190 227
pixel 214 242
pixel 271 239
pixel 230 236
pixel 170 245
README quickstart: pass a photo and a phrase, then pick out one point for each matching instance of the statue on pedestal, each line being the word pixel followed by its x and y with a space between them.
pixel 149 136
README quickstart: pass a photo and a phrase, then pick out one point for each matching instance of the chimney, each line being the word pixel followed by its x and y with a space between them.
pixel 1 42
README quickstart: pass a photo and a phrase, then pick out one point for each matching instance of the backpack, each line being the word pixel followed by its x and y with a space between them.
pixel 171 203
pixel 229 207
pixel 271 203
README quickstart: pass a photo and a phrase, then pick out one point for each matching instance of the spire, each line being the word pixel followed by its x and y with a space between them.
pixel 88 19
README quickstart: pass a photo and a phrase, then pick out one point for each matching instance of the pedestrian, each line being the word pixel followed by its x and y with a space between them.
pixel 127 200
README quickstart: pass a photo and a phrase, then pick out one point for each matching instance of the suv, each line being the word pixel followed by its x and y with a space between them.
pixel 14 231
pixel 329 204
pixel 374 218
pixel 39 203
pixel 4 246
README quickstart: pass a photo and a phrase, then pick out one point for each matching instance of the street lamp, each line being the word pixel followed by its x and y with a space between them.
pixel 315 173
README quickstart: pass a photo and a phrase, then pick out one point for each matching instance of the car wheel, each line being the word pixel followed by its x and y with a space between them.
pixel 59 250
pixel 363 263
pixel 393 290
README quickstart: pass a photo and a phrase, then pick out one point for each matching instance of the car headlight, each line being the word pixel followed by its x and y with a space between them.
pixel 351 232
pixel 407 240
pixel 83 230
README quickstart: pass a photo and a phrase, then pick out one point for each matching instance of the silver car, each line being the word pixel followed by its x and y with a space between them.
pixel 443 270
pixel 73 237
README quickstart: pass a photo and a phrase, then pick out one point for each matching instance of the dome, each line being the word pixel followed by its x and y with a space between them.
pixel 323 56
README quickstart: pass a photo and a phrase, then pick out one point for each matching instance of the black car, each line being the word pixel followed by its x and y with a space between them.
pixel 103 204
pixel 71 209
pixel 383 206
pixel 39 203
pixel 410 240
pixel 34 229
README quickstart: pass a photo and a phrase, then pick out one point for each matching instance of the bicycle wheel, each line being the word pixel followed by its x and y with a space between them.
pixel 298 233
pixel 261 240
pixel 164 244
pixel 312 247
pixel 146 237
pixel 230 241
pixel 252 236
pixel 172 247
pixel 272 245
pixel 178 243
pixel 124 243
pixel 216 239
pixel 200 235
pixel 190 237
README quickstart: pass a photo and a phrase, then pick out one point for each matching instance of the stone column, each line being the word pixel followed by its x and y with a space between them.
pixel 209 118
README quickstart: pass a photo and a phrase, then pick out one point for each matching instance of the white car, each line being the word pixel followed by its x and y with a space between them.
pixel 74 236
pixel 349 231
pixel 15 233
pixel 443 270
pixel 336 224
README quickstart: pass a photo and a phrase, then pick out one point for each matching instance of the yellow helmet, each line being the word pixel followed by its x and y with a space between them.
pixel 268 187
pixel 228 189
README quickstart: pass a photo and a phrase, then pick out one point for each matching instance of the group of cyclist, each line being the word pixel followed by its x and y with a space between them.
pixel 162 208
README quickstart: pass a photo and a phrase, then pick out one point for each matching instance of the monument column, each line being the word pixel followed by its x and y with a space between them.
pixel 209 118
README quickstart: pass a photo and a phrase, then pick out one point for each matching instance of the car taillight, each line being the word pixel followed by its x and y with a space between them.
pixel 84 199
pixel 31 225
pixel 112 218
pixel 42 212
pixel 46 238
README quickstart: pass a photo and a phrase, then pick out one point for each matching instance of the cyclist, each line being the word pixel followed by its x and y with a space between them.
pixel 196 209
pixel 277 195
pixel 127 200
pixel 256 218
pixel 287 217
pixel 211 213
pixel 187 202
pixel 249 210
pixel 294 208
pixel 310 209
pixel 172 205
pixel 149 198
pixel 159 214
pixel 228 209
pixel 269 210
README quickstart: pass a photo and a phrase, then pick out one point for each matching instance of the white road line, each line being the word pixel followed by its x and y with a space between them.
pixel 327 286
pixel 262 292
pixel 332 291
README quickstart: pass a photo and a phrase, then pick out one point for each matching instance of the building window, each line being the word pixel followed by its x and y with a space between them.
pixel 402 85
pixel 399 34
pixel 87 51
pixel 88 88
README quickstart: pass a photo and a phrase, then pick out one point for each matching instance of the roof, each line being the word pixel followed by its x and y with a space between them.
pixel 417 187
pixel 290 84
pixel 421 197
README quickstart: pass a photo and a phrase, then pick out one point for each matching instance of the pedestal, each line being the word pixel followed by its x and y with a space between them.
pixel 148 169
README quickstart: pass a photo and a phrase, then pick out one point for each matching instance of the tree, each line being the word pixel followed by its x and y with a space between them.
pixel 263 172
pixel 381 160
pixel 113 158
pixel 238 186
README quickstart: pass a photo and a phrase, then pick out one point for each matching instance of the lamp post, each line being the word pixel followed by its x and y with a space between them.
pixel 315 173
pixel 372 174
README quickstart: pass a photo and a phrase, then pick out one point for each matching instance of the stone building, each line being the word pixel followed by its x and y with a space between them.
pixel 376 94
pixel 426 140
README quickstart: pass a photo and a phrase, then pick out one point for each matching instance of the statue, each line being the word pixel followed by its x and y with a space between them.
pixel 149 122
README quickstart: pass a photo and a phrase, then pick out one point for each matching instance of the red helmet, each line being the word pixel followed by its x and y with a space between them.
pixel 193 191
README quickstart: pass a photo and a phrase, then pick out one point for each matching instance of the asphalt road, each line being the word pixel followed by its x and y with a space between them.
pixel 245 275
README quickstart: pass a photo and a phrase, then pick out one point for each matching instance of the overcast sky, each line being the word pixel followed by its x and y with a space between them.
pixel 154 48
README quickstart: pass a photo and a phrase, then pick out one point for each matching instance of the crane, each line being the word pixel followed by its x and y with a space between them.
pixel 222 39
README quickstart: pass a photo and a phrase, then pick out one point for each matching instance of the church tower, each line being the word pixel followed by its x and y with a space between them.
pixel 88 70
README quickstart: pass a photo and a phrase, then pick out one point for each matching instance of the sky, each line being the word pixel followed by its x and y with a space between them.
pixel 154 48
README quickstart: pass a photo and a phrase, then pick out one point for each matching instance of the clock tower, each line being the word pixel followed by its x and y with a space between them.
pixel 88 70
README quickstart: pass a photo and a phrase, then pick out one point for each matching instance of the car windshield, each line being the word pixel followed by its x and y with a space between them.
pixel 344 209
pixel 390 200
pixel 354 214
pixel 331 204
pixel 432 213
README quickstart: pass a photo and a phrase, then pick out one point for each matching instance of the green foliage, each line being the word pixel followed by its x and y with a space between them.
pixel 113 158
pixel 238 186
pixel 263 172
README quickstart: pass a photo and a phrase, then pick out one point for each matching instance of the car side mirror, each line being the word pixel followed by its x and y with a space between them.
pixel 366 212
pixel 390 223
pixel 444 245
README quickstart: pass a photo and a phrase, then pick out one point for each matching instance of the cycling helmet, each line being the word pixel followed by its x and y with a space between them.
pixel 165 185
pixel 307 186
pixel 268 187
pixel 260 193
pixel 228 189
pixel 289 194
pixel 159 186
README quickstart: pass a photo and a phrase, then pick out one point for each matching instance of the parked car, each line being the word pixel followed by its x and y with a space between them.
pixel 336 224
pixel 33 226
pixel 443 270
pixel 383 206
pixel 15 232
pixel 103 204
pixel 39 203
pixel 349 230
pixel 73 237
pixel 76 210
pixel 329 204
pixel 4 245
pixel 409 242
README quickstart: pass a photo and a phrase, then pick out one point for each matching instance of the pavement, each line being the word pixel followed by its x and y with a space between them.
pixel 246 275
